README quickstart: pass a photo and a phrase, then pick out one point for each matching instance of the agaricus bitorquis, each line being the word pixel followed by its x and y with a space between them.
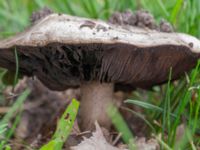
pixel 65 51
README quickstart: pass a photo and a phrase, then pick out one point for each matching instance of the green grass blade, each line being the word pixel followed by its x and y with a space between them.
pixel 196 115
pixel 107 9
pixel 39 3
pixel 166 123
pixel 121 126
pixel 144 105
pixel 64 127
pixel 187 95
pixel 11 131
pixel 12 17
pixel 19 102
pixel 7 147
pixel 8 116
pixel 90 8
pixel 175 11
pixel 163 144
pixel 163 8
pixel 93 8
pixel 3 128
pixel 69 7
pixel 2 144
pixel 141 117
pixel 147 106
pixel 16 68
pixel 184 101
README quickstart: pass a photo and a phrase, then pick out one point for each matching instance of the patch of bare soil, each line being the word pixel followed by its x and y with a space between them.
pixel 41 111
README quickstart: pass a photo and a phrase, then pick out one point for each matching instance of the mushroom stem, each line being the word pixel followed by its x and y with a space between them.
pixel 95 98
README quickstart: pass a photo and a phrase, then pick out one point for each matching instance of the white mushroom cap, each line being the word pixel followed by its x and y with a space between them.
pixel 69 29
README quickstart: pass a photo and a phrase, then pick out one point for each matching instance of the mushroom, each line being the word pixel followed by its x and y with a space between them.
pixel 68 52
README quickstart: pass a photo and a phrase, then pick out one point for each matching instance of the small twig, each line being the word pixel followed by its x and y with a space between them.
pixel 117 139
pixel 82 133
pixel 157 123
pixel 11 95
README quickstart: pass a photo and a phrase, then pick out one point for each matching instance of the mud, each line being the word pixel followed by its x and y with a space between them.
pixel 37 15
pixel 140 18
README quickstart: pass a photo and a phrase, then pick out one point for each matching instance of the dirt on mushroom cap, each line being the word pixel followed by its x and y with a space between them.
pixel 40 14
pixel 140 18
